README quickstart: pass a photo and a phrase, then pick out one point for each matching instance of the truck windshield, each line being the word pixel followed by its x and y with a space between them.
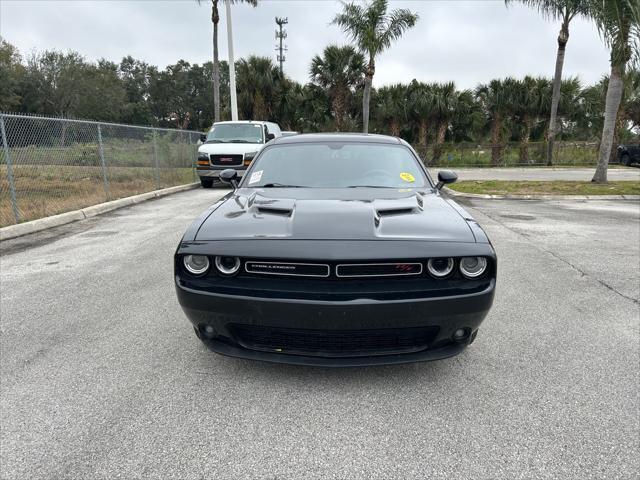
pixel 337 165
pixel 235 133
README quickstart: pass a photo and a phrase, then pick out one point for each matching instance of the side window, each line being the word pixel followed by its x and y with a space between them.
pixel 275 129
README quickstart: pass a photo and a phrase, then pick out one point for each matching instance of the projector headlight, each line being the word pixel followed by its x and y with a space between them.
pixel 472 267
pixel 228 265
pixel 440 267
pixel 196 264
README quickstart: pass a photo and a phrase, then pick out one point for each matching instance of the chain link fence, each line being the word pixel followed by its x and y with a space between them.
pixel 55 165
pixel 532 154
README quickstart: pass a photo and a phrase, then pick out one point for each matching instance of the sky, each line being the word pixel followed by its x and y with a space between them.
pixel 468 42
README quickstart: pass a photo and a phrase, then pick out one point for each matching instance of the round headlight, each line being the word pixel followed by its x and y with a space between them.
pixel 228 265
pixel 440 267
pixel 196 264
pixel 472 267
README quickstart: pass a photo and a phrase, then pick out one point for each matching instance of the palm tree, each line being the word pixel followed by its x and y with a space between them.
pixel 391 105
pixel 338 71
pixel 528 102
pixel 373 30
pixel 468 118
pixel 314 109
pixel 259 83
pixel 215 19
pixel 494 98
pixel 420 111
pixel 565 11
pixel 618 22
pixel 444 99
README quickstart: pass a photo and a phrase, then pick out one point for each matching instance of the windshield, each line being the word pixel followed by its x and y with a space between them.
pixel 337 165
pixel 235 133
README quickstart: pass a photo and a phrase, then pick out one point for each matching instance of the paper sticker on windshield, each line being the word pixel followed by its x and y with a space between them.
pixel 255 177
pixel 407 177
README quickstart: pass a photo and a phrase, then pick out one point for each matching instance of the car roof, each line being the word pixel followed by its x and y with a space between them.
pixel 259 122
pixel 337 137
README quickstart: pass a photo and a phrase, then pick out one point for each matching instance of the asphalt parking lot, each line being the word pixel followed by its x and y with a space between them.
pixel 102 376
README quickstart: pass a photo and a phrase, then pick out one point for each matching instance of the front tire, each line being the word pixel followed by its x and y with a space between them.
pixel 625 160
pixel 206 182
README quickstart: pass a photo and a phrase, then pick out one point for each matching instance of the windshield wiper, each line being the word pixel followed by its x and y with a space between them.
pixel 239 141
pixel 215 140
pixel 280 185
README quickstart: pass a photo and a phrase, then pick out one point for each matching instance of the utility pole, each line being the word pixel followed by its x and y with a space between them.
pixel 232 65
pixel 281 34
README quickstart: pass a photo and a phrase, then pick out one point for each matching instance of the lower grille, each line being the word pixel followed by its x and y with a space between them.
pixel 334 343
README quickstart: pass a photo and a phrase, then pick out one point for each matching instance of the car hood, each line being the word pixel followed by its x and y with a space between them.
pixel 229 148
pixel 335 214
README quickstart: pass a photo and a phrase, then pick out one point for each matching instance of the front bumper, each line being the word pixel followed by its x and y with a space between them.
pixel 216 317
pixel 215 172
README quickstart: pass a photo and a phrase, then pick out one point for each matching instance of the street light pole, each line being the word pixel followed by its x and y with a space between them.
pixel 232 65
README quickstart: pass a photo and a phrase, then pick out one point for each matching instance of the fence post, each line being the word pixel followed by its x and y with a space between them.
pixel 155 159
pixel 12 186
pixel 190 157
pixel 102 162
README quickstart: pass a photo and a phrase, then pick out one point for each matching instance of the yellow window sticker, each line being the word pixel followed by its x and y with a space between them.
pixel 407 177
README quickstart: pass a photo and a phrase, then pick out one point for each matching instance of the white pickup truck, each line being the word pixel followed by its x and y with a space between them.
pixel 232 145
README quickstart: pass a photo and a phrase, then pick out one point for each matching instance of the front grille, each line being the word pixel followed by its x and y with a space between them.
pixel 354 270
pixel 333 343
pixel 226 160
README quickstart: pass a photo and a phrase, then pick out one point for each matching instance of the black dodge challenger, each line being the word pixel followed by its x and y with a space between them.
pixel 336 250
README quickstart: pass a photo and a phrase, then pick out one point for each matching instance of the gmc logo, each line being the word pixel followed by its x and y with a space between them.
pixel 225 159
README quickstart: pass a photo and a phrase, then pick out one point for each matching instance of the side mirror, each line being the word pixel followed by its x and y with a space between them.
pixel 270 136
pixel 230 176
pixel 445 177
pixel 203 138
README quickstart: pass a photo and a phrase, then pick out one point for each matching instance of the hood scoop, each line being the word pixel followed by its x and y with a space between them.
pixel 269 206
pixel 405 206
pixel 395 211
pixel 284 212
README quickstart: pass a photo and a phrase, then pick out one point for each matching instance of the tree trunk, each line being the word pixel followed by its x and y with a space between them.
pixel 563 38
pixel 620 120
pixel 422 139
pixel 496 148
pixel 394 127
pixel 524 141
pixel 422 134
pixel 366 94
pixel 215 18
pixel 437 151
pixel 614 95
pixel 338 109
pixel 366 97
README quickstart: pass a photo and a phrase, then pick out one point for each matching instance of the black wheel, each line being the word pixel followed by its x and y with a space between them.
pixel 206 182
pixel 625 160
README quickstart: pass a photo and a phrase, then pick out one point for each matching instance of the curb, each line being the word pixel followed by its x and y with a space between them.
pixel 13 231
pixel 454 193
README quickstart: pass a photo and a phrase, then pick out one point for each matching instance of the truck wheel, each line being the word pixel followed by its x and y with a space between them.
pixel 626 160
pixel 206 182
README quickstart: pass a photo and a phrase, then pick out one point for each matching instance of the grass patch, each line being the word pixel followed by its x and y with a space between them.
pixel 505 187
pixel 43 190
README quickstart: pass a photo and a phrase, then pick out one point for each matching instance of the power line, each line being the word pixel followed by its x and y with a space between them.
pixel 281 34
